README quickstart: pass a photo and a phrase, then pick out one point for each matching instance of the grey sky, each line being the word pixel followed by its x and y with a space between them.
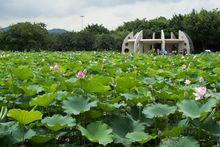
pixel 111 13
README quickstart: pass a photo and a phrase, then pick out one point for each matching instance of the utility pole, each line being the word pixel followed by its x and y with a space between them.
pixel 82 21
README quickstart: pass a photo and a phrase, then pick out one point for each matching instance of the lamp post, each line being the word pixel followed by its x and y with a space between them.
pixel 82 20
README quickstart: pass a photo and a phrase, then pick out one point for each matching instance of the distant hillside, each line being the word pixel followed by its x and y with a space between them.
pixel 52 31
pixel 4 29
pixel 57 31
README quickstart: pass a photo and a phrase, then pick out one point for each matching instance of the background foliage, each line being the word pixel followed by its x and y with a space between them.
pixel 203 27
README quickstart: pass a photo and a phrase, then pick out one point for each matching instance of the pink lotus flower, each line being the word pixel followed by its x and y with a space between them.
pixel 81 74
pixel 200 93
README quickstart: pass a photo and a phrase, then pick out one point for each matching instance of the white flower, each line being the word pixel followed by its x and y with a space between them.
pixel 159 132
pixel 56 67
pixel 200 93
pixel 201 79
pixel 184 66
pixel 187 82
pixel 51 68
pixel 139 104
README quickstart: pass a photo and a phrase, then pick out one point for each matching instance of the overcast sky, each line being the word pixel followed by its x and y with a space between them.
pixel 111 13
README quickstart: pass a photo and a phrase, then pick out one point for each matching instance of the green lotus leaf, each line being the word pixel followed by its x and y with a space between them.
pixel 25 117
pixel 43 100
pixel 78 104
pixel 139 137
pixel 158 110
pixel 136 114
pixel 58 122
pixel 210 126
pixel 98 132
pixel 136 98
pixel 29 134
pixel 180 142
pixel 130 96
pixel 109 107
pixel 94 86
pixel 124 84
pixel 216 96
pixel 104 80
pixel 122 126
pixel 144 91
pixel 94 114
pixel 5 128
pixel 194 109
pixel 42 138
pixel 173 132
pixel 62 95
pixel 32 90
pixel 20 133
pixel 216 70
pixel 23 72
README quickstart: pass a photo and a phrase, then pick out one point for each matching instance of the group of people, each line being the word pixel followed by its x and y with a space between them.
pixel 165 52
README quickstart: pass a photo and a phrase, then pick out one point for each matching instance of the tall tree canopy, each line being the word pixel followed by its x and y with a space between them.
pixel 96 29
pixel 26 36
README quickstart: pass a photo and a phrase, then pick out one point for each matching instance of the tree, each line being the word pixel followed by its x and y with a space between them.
pixel 204 29
pixel 1 40
pixel 177 23
pixel 105 42
pixel 64 42
pixel 96 29
pixel 158 24
pixel 119 37
pixel 85 41
pixel 149 27
pixel 135 26
pixel 26 36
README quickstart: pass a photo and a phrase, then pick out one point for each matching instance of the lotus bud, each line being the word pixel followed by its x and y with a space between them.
pixel 81 74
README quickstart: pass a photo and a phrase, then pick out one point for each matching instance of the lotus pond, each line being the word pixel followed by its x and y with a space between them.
pixel 109 99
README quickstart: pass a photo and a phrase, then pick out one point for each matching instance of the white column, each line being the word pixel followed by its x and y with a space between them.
pixel 153 37
pixel 163 41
